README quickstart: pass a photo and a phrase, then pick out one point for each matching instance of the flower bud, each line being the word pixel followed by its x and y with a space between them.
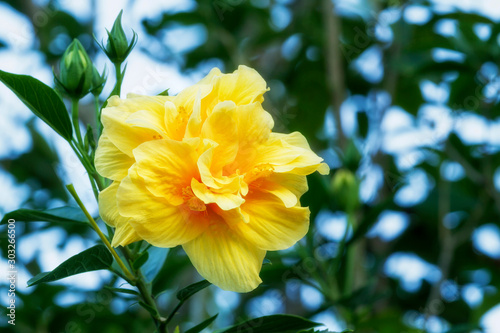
pixel 75 71
pixel 98 81
pixel 346 190
pixel 117 47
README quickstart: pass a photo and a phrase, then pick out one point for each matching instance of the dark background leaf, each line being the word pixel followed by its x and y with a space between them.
pixel 192 289
pixel 272 324
pixel 95 258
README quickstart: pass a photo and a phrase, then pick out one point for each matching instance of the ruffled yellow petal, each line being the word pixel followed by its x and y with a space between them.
pixel 225 259
pixel 225 201
pixel 221 183
pixel 272 226
pixel 154 218
pixel 288 187
pixel 204 165
pixel 254 129
pixel 244 86
pixel 184 121
pixel 108 209
pixel 196 118
pixel 208 79
pixel 124 233
pixel 187 97
pixel 298 140
pixel 281 153
pixel 111 162
pixel 221 127
pixel 175 121
pixel 167 167
pixel 254 125
pixel 126 130
pixel 148 120
pixel 293 139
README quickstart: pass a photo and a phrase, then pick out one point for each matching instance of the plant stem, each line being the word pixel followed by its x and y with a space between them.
pixel 76 121
pixel 137 248
pixel 174 311
pixel 110 231
pixel 146 295
pixel 136 278
pixel 119 79
pixel 95 179
pixel 82 158
pixel 98 124
pixel 340 252
pixel 94 225
pixel 141 285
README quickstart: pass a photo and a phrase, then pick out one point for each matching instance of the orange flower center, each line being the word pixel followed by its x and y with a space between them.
pixel 260 171
pixel 192 201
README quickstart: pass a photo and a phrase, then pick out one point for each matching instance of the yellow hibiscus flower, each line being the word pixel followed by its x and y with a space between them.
pixel 204 170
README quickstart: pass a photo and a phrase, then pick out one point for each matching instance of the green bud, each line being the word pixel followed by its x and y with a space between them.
pixel 117 47
pixel 73 57
pixel 98 81
pixel 75 71
pixel 345 187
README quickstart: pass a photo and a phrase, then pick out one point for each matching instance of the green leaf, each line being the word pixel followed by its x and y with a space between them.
pixel 89 139
pixel 198 328
pixel 95 258
pixel 192 289
pixel 42 100
pixel 141 260
pixel 164 92
pixel 149 308
pixel 272 324
pixel 59 215
pixel 123 290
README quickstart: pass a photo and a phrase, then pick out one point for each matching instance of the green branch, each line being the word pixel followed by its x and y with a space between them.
pixel 94 225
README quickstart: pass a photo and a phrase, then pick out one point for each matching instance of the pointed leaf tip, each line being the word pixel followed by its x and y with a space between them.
pixel 42 100
pixel 192 289
pixel 95 258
